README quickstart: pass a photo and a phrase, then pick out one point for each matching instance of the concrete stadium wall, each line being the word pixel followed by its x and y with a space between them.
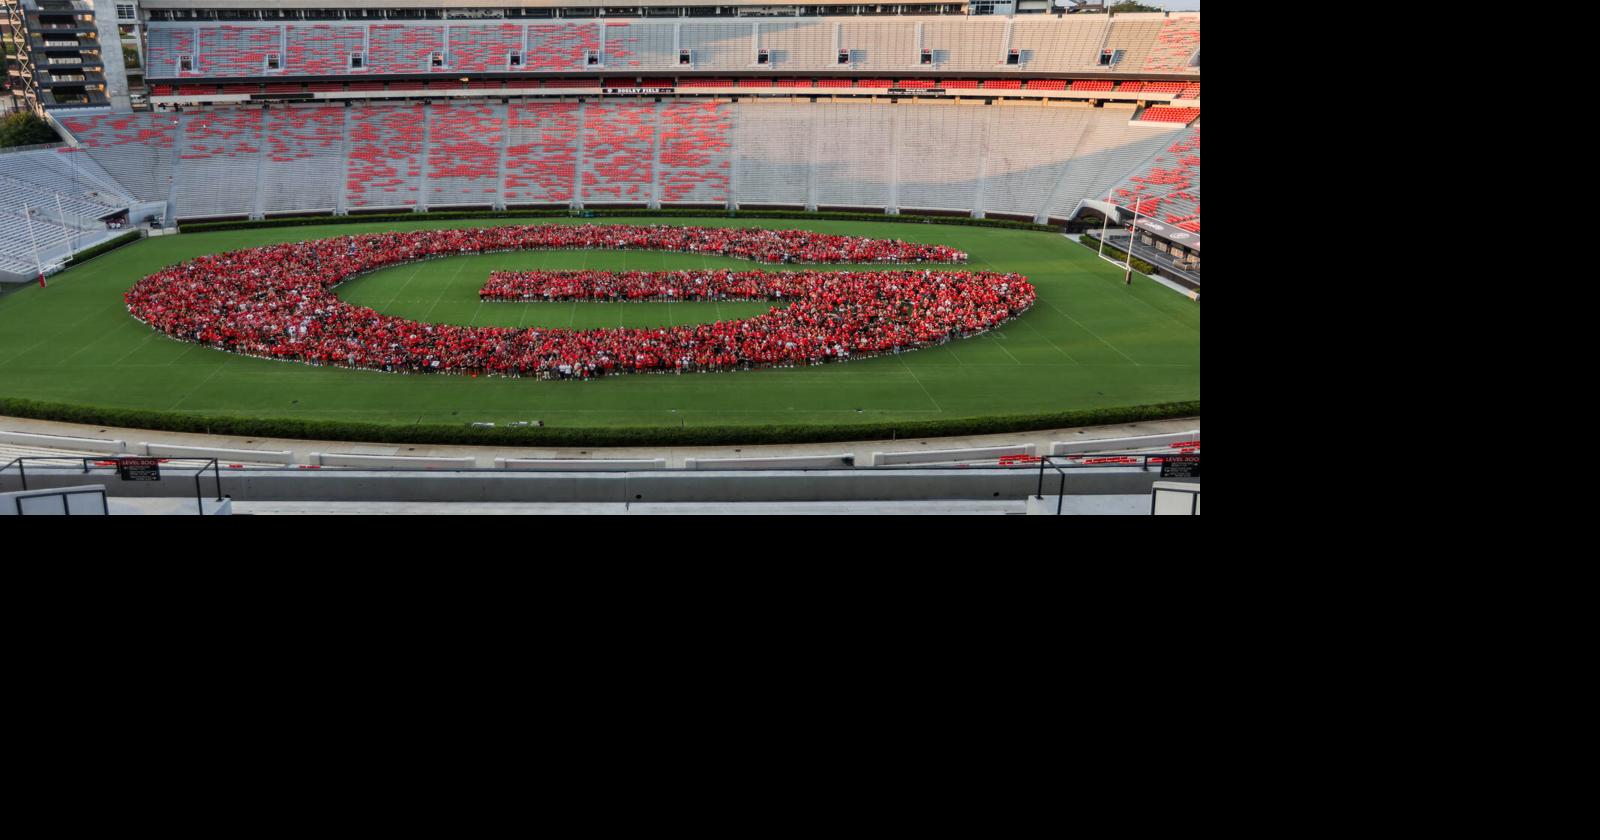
pixel 949 456
pixel 1127 444
pixel 580 464
pixel 339 459
pixel 78 444
pixel 252 456
pixel 651 486
pixel 797 462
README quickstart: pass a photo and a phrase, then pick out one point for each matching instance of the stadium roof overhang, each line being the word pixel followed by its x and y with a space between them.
pixel 1172 233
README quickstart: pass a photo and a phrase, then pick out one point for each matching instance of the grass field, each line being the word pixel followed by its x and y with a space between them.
pixel 1089 342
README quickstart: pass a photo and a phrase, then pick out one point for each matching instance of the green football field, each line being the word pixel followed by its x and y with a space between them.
pixel 1089 342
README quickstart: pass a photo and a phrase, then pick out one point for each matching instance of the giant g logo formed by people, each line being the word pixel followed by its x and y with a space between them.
pixel 278 302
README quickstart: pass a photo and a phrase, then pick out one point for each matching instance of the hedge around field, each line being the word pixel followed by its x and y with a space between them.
pixel 552 436
pixel 105 247
pixel 1116 253
pixel 305 221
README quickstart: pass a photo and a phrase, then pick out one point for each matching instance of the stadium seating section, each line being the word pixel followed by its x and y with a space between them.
pixel 139 148
pixel 541 152
pixel 1177 42
pixel 619 151
pixel 304 162
pixel 385 156
pixel 217 152
pixel 322 50
pixel 464 154
pixel 52 198
pixel 1165 113
pixel 1148 43
pixel 1027 161
pixel 696 139
pixel 1168 189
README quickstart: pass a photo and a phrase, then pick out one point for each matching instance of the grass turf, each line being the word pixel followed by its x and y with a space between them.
pixel 1089 342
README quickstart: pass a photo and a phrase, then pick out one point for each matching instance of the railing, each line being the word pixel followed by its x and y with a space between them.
pixel 94 462
pixel 1061 464
pixel 35 147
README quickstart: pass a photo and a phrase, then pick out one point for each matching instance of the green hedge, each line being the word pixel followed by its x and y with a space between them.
pixel 1117 254
pixel 172 421
pixel 105 247
pixel 300 221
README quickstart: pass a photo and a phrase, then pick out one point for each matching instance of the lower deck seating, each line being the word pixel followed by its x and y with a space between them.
pixel 1167 113
pixel 22 228
pixel 1163 87
pixel 1024 160
pixel 541 152
pixel 619 151
pixel 59 200
pixel 385 160
pixel 138 148
pixel 464 154
pixel 695 140
pixel 1168 188
pixel 304 165
pixel 219 156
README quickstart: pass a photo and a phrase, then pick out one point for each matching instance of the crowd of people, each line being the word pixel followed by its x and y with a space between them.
pixel 278 302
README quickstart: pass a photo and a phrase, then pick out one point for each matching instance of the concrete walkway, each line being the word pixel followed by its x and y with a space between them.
pixel 484 456
pixel 919 508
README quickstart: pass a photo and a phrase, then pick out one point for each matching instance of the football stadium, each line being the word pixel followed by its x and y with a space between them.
pixel 553 256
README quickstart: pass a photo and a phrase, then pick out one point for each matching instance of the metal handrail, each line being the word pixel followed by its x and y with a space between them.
pixel 1061 469
pixel 93 462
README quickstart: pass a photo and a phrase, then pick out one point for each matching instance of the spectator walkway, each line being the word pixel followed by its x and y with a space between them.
pixel 675 456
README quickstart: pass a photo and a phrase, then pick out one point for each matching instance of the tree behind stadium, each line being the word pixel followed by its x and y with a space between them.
pixel 24 128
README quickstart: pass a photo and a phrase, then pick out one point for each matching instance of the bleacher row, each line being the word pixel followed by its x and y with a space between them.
pixel 1145 43
pixel 1168 188
pixel 1167 113
pixel 64 194
pixel 1181 90
pixel 1018 160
